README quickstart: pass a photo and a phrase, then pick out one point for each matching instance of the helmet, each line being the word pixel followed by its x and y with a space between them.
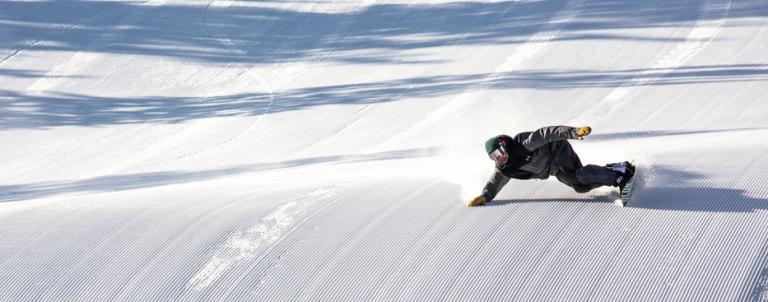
pixel 496 149
pixel 492 143
pixel 507 152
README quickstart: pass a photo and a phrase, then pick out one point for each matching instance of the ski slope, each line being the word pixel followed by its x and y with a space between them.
pixel 322 150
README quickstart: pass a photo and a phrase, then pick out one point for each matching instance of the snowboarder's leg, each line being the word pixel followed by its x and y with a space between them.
pixel 570 180
pixel 582 178
pixel 597 176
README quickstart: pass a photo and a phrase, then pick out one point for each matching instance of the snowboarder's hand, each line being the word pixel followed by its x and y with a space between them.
pixel 479 200
pixel 583 131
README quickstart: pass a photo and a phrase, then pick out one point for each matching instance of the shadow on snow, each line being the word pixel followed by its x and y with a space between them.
pixel 255 33
pixel 250 33
pixel 22 110
pixel 156 179
pixel 662 133
pixel 670 189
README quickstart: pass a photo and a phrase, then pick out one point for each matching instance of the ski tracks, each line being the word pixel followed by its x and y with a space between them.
pixel 249 246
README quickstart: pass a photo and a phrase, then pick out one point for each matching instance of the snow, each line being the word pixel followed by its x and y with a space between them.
pixel 323 150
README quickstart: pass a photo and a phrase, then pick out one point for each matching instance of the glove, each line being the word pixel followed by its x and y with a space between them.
pixel 479 200
pixel 583 131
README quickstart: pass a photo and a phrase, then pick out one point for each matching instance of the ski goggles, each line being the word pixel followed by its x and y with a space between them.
pixel 495 155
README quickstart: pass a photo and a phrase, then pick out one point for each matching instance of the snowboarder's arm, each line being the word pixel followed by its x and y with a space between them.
pixel 546 135
pixel 494 185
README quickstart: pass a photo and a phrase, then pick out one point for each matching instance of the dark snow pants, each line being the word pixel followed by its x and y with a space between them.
pixel 570 171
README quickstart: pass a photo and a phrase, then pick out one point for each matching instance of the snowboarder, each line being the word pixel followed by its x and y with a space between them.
pixel 546 152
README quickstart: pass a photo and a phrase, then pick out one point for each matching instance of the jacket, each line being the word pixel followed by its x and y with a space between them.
pixel 541 159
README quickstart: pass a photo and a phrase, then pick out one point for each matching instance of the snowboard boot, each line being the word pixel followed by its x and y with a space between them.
pixel 617 170
pixel 618 167
pixel 627 174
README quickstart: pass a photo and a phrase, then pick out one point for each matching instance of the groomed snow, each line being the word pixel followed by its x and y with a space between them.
pixel 323 150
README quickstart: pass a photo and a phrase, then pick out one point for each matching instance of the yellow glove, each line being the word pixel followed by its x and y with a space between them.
pixel 479 200
pixel 583 131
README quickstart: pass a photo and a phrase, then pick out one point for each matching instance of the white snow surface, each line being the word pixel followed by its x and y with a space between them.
pixel 323 150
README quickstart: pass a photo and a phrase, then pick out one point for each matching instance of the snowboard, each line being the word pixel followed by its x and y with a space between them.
pixel 626 194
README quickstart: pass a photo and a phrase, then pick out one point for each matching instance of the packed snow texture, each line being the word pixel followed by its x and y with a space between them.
pixel 323 150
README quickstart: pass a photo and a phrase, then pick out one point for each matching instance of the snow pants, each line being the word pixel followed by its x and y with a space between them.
pixel 570 171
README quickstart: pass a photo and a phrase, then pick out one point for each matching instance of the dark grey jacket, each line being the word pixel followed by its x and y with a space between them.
pixel 543 160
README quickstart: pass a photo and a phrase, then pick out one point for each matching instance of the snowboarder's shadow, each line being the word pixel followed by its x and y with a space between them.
pixel 591 199
pixel 679 190
pixel 672 190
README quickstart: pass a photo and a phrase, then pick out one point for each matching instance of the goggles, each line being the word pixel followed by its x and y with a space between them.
pixel 498 153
